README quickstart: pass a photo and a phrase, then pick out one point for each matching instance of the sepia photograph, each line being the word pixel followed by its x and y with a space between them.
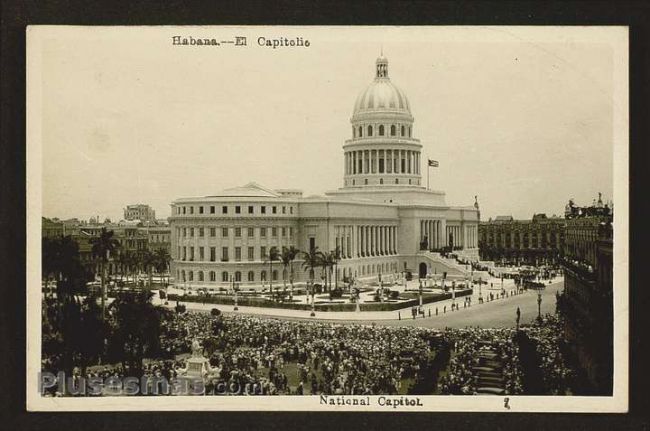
pixel 327 218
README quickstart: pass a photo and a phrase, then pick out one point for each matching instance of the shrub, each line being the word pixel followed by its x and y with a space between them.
pixel 215 312
pixel 180 308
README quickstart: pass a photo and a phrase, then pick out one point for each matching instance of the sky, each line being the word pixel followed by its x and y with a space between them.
pixel 521 118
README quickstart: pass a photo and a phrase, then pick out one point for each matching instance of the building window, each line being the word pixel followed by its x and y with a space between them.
pixel 290 210
pixel 200 275
pixel 396 180
pixel 284 231
pixel 224 276
pixel 312 243
pixel 191 231
pixel 213 276
pixel 184 253
pixel 201 254
pixel 274 232
pixel 263 232
pixel 274 275
pixel 224 254
pixel 237 254
pixel 392 130
pixel 353 182
pixel 263 252
pixel 237 276
pixel 365 181
pixel 381 130
pixel 201 210
pixel 184 231
pixel 213 231
pixel 284 210
pixel 381 181
pixel 190 275
pixel 213 254
pixel 251 276
pixel 263 275
pixel 251 232
pixel 251 253
pixel 224 232
pixel 290 232
pixel 191 253
pixel 212 210
pixel 360 131
pixel 183 210
pixel 263 209
pixel 409 181
pixel 369 130
pixel 274 210
pixel 191 210
pixel 250 209
pixel 237 209
pixel 237 232
pixel 201 231
pixel 224 210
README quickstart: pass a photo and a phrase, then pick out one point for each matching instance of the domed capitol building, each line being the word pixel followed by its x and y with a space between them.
pixel 384 220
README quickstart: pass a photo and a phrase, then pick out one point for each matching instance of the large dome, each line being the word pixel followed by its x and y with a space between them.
pixel 382 94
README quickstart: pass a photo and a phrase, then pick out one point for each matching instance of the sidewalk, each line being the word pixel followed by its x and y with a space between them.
pixel 404 313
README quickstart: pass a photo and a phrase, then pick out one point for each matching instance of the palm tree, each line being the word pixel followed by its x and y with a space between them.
pixel 288 256
pixel 312 260
pixel 274 254
pixel 334 258
pixel 148 263
pixel 162 262
pixel 102 247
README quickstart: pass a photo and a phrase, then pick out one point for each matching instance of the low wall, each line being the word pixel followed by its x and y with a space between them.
pixel 346 306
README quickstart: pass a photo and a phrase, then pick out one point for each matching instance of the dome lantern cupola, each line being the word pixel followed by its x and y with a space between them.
pixel 382 67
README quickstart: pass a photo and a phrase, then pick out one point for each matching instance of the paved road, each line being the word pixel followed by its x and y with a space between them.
pixel 498 313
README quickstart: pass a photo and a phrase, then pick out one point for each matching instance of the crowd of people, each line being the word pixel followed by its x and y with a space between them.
pixel 462 375
pixel 251 355
pixel 547 335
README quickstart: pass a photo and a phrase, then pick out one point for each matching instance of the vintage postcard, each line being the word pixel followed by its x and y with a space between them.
pixel 327 218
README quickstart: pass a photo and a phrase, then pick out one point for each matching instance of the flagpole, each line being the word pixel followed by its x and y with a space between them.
pixel 428 170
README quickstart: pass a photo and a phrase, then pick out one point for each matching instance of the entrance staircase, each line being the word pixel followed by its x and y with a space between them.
pixel 489 372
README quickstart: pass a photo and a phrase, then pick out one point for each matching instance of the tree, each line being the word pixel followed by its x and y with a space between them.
pixel 274 255
pixel 136 329
pixel 162 262
pixel 311 261
pixel 148 263
pixel 102 247
pixel 288 256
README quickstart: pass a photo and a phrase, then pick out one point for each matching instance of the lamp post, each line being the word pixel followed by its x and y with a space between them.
pixel 518 318
pixel 232 281
pixel 480 283
pixel 420 291
pixel 539 305
pixel 313 312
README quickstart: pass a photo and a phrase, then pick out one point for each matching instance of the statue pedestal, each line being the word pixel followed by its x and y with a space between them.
pixel 197 366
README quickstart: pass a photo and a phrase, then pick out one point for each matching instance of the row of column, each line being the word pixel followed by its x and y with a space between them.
pixel 432 230
pixel 472 236
pixel 457 233
pixel 344 236
pixel 382 162
pixel 375 241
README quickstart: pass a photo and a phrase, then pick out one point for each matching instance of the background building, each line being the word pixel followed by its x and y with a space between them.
pixel 140 212
pixel 383 220
pixel 538 240
pixel 587 300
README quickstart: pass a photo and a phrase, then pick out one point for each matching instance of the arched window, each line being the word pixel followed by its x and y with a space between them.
pixel 402 134
pixel 365 181
pixel 381 181
pixel 213 276
pixel 190 275
pixel 381 130
pixel 409 181
pixel 224 276
pixel 353 182
pixel 251 276
pixel 200 275
pixel 360 131
pixel 263 275
pixel 392 130
pixel 237 275
pixel 369 130
pixel 396 180
pixel 274 274
pixel 183 275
